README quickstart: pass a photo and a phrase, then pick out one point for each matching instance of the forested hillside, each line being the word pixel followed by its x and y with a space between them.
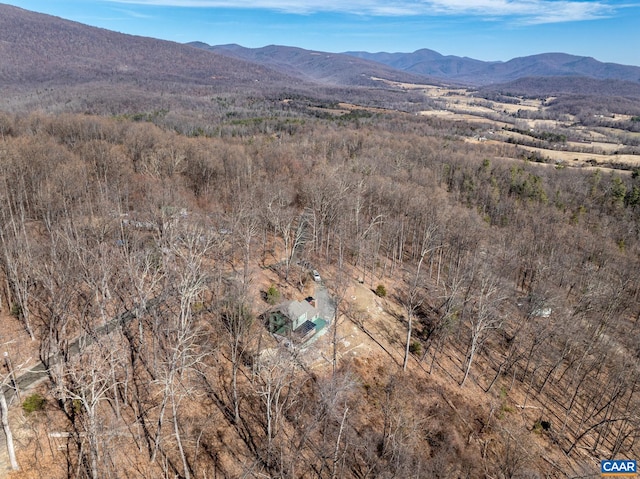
pixel 44 51
pixel 503 340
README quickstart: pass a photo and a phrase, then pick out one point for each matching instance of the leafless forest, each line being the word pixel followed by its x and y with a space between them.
pixel 130 264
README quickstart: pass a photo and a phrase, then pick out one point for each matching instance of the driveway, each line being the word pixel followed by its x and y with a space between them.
pixel 324 303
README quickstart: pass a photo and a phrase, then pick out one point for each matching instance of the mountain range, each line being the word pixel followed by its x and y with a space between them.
pixel 477 72
pixel 422 65
pixel 40 51
pixel 315 66
pixel 544 74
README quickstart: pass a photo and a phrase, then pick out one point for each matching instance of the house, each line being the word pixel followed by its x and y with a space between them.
pixel 297 320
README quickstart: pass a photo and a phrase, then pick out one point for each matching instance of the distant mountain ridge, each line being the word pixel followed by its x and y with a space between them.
pixel 477 72
pixel 321 67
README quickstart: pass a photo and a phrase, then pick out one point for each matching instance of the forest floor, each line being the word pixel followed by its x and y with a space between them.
pixel 370 338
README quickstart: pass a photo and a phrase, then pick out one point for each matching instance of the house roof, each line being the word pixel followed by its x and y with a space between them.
pixel 295 309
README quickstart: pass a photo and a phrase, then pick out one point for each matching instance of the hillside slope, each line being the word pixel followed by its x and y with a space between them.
pixel 41 49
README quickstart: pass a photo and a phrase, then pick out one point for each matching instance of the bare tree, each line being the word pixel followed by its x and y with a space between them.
pixel 273 382
pixel 15 260
pixel 86 383
pixel 413 301
pixel 288 225
pixel 236 319
pixel 482 317
pixel 179 336
pixel 4 409
pixel 510 454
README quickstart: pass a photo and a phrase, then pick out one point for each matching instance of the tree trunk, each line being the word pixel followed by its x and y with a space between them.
pixel 334 469
pixel 7 431
pixel 176 429
pixel 470 357
pixel 408 343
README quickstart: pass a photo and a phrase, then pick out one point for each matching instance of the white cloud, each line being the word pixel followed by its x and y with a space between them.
pixel 134 14
pixel 527 11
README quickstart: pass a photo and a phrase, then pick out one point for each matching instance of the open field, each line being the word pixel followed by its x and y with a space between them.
pixel 529 121
pixel 526 123
pixel 576 159
pixel 531 124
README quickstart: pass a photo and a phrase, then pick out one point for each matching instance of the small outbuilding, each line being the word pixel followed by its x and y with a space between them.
pixel 542 312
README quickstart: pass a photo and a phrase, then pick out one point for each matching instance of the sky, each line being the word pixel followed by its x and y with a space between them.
pixel 608 30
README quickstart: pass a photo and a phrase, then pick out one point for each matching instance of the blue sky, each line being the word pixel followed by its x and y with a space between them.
pixel 608 30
